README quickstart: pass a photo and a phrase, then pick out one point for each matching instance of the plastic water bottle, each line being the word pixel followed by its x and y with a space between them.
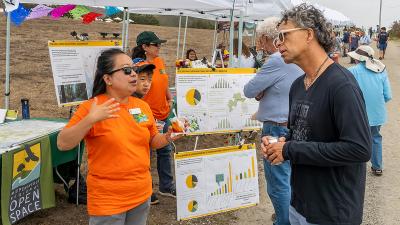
pixel 25 108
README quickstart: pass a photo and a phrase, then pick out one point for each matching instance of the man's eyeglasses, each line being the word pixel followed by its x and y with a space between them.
pixel 127 70
pixel 281 36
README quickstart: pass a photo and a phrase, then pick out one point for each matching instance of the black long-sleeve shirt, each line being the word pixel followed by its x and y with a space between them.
pixel 328 145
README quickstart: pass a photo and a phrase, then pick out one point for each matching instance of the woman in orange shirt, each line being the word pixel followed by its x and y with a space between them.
pixel 160 101
pixel 118 131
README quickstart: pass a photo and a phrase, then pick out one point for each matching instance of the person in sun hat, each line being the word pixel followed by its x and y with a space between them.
pixel 160 101
pixel 372 77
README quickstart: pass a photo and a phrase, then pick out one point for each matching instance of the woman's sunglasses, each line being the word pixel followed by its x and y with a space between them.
pixel 281 36
pixel 158 45
pixel 127 70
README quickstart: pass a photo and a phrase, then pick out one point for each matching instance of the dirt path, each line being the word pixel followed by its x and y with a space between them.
pixel 31 78
pixel 382 195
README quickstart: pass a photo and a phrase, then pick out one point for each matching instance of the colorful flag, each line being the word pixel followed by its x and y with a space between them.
pixel 11 5
pixel 111 10
pixel 18 16
pixel 39 11
pixel 60 11
pixel 90 17
pixel 79 11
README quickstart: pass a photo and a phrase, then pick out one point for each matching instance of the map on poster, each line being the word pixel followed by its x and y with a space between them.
pixel 213 100
pixel 216 180
pixel 73 64
pixel 14 133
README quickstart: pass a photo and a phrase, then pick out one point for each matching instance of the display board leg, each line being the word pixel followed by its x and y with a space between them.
pixel 195 143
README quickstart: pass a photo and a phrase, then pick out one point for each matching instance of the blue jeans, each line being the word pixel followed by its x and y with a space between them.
pixel 296 218
pixel 376 157
pixel 164 165
pixel 278 179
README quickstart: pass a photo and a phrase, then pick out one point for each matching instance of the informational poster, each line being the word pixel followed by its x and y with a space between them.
pixel 213 100
pixel 216 180
pixel 73 64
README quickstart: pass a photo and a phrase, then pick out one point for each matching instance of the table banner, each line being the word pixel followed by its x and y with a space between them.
pixel 26 181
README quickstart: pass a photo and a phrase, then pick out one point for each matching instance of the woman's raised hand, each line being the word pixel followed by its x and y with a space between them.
pixel 103 111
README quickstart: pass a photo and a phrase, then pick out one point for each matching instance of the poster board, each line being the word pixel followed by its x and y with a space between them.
pixel 216 180
pixel 213 100
pixel 73 64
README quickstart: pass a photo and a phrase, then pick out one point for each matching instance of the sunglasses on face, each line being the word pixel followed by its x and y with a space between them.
pixel 127 70
pixel 281 36
pixel 158 45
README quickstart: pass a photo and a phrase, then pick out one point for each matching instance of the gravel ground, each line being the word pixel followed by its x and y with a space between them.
pixel 31 78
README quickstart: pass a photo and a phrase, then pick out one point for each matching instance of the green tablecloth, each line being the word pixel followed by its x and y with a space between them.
pixel 27 176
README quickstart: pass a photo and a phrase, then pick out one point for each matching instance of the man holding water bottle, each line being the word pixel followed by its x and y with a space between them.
pixel 273 82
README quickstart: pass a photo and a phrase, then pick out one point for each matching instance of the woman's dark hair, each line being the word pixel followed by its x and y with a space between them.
pixel 105 64
pixel 138 52
pixel 189 51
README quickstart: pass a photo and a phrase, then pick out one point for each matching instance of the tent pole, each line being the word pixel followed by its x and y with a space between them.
pixel 184 37
pixel 240 38
pixel 126 30
pixel 215 37
pixel 123 29
pixel 255 34
pixel 179 36
pixel 7 88
pixel 231 37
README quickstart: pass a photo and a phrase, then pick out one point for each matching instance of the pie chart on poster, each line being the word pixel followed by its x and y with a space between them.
pixel 192 206
pixel 191 181
pixel 193 97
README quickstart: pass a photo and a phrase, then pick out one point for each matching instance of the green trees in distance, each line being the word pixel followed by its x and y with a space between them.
pixel 394 32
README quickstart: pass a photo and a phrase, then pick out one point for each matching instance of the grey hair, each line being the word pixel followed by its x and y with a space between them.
pixel 267 27
pixel 307 16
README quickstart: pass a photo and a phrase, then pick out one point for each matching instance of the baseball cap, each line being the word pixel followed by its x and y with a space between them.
pixel 142 65
pixel 148 37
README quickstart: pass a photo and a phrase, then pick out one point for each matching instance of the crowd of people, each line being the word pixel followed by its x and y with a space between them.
pixel 326 120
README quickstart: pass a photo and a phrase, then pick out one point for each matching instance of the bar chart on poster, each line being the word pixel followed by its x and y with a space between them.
pixel 216 180
pixel 213 100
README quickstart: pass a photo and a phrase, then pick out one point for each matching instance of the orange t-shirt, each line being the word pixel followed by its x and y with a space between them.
pixel 157 95
pixel 118 157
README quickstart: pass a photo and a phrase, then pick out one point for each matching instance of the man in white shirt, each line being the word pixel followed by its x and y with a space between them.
pixel 364 39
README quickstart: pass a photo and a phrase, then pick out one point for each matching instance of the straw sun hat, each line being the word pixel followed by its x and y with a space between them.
pixel 365 53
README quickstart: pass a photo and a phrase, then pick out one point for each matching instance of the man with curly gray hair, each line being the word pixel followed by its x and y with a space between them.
pixel 329 141
pixel 271 87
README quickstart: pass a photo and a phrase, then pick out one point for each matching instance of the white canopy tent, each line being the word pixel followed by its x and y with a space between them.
pixel 335 17
pixel 244 11
pixel 173 4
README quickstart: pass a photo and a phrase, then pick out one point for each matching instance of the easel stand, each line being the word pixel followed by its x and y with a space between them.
pixel 235 138
pixel 214 58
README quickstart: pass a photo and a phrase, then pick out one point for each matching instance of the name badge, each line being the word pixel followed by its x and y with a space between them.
pixel 135 111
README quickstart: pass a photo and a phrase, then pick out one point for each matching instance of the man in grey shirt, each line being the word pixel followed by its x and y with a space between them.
pixel 271 87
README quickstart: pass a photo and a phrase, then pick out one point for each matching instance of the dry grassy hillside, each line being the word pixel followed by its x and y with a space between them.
pixel 31 75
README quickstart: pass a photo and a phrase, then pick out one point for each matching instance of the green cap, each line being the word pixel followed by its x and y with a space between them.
pixel 148 37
